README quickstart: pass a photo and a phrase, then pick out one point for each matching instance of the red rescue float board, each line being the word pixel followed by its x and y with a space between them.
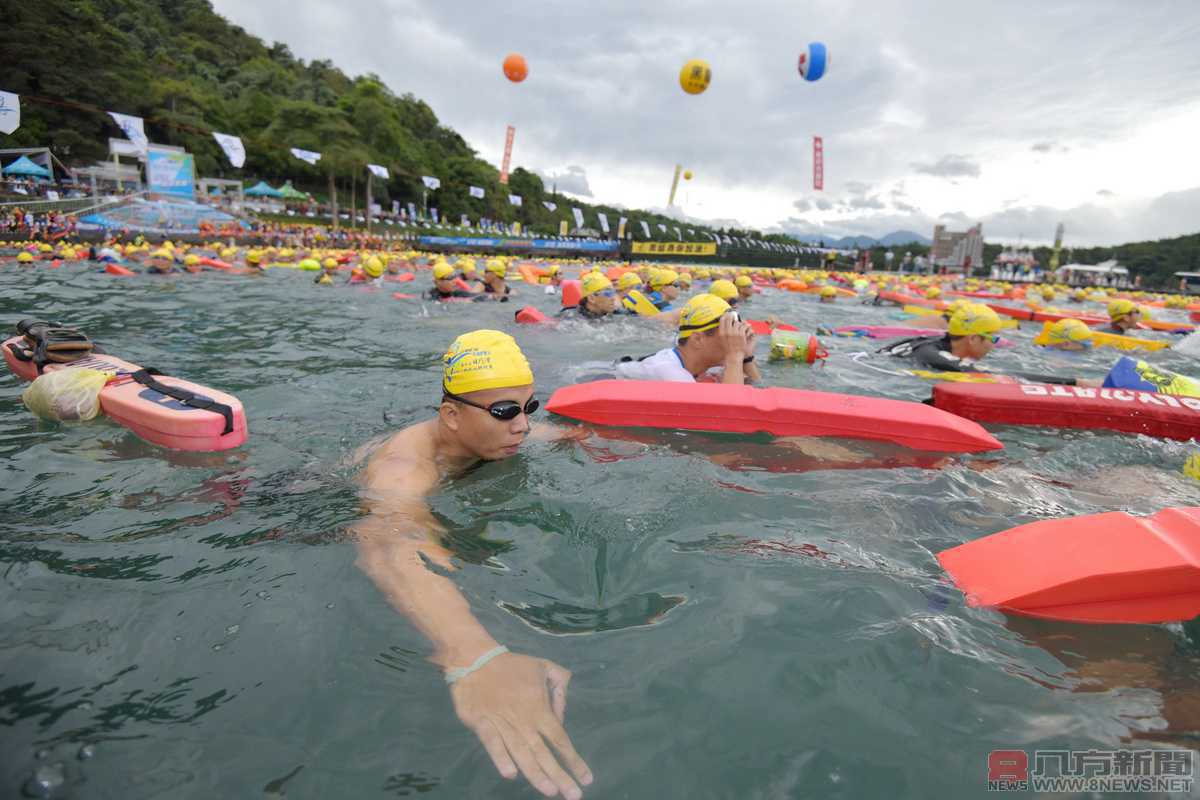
pixel 1129 411
pixel 778 411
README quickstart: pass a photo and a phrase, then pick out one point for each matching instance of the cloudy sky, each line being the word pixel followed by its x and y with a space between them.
pixel 1019 114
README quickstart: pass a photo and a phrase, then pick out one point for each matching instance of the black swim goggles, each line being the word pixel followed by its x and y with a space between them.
pixel 503 410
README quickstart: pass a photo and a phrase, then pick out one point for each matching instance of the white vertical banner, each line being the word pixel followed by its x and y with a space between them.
pixel 679 234
pixel 10 112
pixel 378 171
pixel 662 227
pixel 603 222
pixel 307 156
pixel 465 221
pixel 433 213
pixel 476 191
pixel 514 199
pixel 645 228
pixel 412 210
pixel 133 128
pixel 235 151
pixel 550 206
pixel 578 217
pixel 395 208
pixel 431 183
pixel 621 228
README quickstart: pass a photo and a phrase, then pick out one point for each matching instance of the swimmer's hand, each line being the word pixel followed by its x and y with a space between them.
pixel 515 705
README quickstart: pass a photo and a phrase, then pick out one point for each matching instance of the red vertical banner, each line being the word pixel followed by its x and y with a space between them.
pixel 508 140
pixel 818 164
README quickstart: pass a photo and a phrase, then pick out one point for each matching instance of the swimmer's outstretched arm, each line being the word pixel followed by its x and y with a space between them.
pixel 515 703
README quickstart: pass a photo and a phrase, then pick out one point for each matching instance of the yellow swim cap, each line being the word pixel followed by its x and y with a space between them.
pixel 974 319
pixel 685 279
pixel 325 280
pixel 593 282
pixel 630 280
pixel 703 312
pixel 1121 308
pixel 442 271
pixel 496 267
pixel 703 274
pixel 161 253
pixel 329 263
pixel 828 291
pixel 552 269
pixel 373 267
pixel 723 289
pixel 482 360
pixel 25 257
pixel 1064 331
pixel 1191 467
pixel 933 292
pixel 45 248
pixel 743 280
pixel 191 259
pixel 663 277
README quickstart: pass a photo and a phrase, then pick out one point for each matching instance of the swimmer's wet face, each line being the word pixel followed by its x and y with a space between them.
pixel 446 285
pixel 474 419
pixel 670 291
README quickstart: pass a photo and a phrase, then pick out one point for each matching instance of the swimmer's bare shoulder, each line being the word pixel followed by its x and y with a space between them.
pixel 406 463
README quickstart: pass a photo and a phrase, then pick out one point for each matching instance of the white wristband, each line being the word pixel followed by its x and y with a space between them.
pixel 458 673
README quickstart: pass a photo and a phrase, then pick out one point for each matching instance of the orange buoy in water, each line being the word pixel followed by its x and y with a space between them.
pixel 515 68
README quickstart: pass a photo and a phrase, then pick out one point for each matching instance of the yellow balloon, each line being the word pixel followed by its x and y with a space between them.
pixel 695 76
pixel 687 174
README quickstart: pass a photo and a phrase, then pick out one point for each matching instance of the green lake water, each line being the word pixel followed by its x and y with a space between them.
pixel 194 626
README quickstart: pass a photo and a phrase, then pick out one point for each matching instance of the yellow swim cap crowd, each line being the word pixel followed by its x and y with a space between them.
pixel 482 360
pixel 723 289
pixel 593 282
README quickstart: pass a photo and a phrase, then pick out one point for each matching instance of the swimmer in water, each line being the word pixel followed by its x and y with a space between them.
pixel 710 336
pixel 1066 334
pixel 514 703
pixel 444 286
pixel 1124 316
pixel 597 299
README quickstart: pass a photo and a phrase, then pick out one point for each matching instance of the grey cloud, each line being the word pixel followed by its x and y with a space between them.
pixel 905 207
pixel 802 205
pixel 1049 147
pixel 857 203
pixel 824 203
pixel 1104 193
pixel 605 95
pixel 857 187
pixel 950 166
pixel 573 180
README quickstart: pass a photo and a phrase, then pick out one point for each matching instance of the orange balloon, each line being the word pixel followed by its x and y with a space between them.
pixel 515 68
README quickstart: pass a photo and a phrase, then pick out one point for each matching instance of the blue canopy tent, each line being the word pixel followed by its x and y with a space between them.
pixel 261 189
pixel 23 166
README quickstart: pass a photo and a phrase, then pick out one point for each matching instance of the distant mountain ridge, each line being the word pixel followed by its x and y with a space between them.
pixel 891 240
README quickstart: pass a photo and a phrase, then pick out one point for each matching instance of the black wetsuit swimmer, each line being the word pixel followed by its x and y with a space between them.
pixel 936 353
pixel 434 294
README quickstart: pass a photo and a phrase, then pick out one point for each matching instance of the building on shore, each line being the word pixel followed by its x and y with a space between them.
pixel 957 250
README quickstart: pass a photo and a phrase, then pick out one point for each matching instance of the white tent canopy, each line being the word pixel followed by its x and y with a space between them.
pixel 1103 268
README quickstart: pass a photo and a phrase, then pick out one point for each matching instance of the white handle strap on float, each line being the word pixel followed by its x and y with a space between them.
pixel 458 673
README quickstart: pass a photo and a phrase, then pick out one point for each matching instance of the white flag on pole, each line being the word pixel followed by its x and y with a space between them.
pixel 476 192
pixel 550 206
pixel 10 112
pixel 515 199
pixel 578 217
pixel 307 156
pixel 662 227
pixel 133 128
pixel 645 228
pixel 378 171
pixel 603 222
pixel 679 234
pixel 235 151
pixel 431 183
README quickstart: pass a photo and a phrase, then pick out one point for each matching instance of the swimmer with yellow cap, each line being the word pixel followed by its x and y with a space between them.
pixel 1124 315
pixel 745 287
pixel 626 284
pixel 1066 334
pixel 372 271
pixel 446 286
pixel 664 288
pixel 597 298
pixel 514 702
pixel 828 294
pixel 972 332
pixel 494 285
pixel 553 279
pixel 725 290
pixel 710 335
